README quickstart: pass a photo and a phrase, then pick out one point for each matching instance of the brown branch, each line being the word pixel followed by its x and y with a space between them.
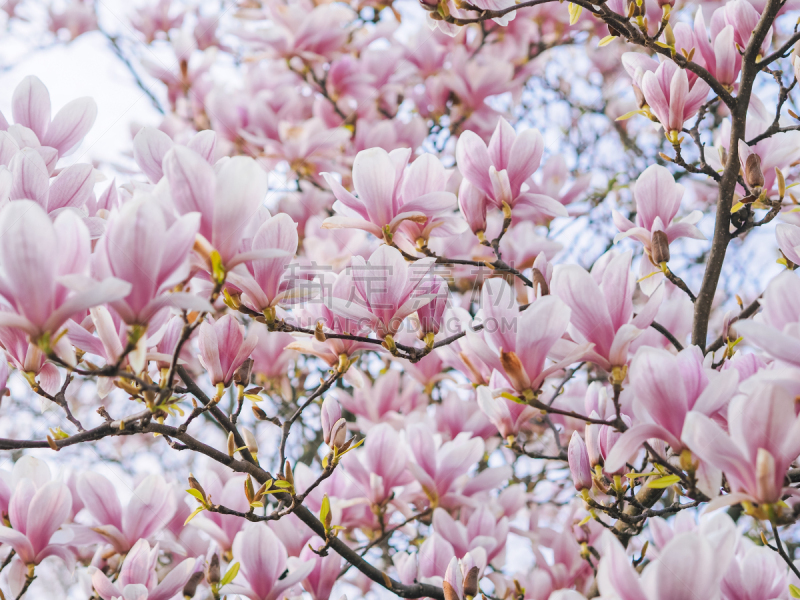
pixel 727 187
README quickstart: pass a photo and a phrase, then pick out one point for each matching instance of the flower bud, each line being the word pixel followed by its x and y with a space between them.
pixel 472 203
pixel 752 171
pixel 592 435
pixel 540 283
pixel 579 467
pixel 195 485
pixel 660 247
pixel 212 571
pixel 231 444
pixel 260 414
pixel 190 589
pixel 471 582
pixel 338 434
pixel 430 315
pixel 250 441
pixel 330 413
pixel 242 375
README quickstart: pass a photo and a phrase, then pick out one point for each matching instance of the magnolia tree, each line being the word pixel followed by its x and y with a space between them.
pixel 429 300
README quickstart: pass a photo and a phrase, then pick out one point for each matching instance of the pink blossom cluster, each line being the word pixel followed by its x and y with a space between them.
pixel 357 320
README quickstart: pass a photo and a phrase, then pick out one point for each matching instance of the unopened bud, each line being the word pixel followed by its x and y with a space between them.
pixel 471 582
pixel 449 591
pixel 319 335
pixel 250 441
pixel 287 473
pixel 212 572
pixel 338 434
pixel 260 414
pixel 249 491
pixel 660 247
pixel 540 282
pixel 330 413
pixel 195 485
pixel 781 183
pixel 231 444
pixel 752 171
pixel 669 36
pixel 242 374
pixel 190 589
pixel 578 458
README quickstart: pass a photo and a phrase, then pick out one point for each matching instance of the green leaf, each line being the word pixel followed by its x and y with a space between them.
pixel 325 511
pixel 794 591
pixel 198 496
pixel 196 512
pixel 606 40
pixel 663 482
pixel 637 475
pixel 229 576
pixel 282 484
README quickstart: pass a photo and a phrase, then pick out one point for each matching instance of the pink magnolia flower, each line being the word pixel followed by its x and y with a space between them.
pixel 322 578
pixel 381 466
pixel 320 313
pixel 438 466
pixel 77 18
pixel 30 107
pixel 602 307
pixel 500 170
pixel 226 199
pixel 390 399
pixel 224 347
pixel 390 192
pixel 777 333
pixel 271 356
pixel 777 151
pixel 263 561
pixel 719 54
pixel 111 341
pixel 57 253
pixel 140 247
pixel 701 561
pixel 658 200
pixel 554 182
pixel 519 342
pixel 263 278
pixel 148 511
pixel 71 189
pixel 754 574
pixel 509 417
pixel 29 358
pixel 151 145
pixel 387 290
pixel 481 530
pixel 435 553
pixel 763 439
pixel 671 97
pixel 456 415
pixel 667 388
pixel 156 17
pixel 37 509
pixel 138 579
